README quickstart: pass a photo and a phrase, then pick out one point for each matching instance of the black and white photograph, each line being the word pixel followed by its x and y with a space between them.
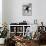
pixel 27 9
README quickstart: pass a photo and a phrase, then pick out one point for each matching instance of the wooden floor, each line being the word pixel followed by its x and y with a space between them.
pixel 1 45
pixel 32 45
pixel 42 45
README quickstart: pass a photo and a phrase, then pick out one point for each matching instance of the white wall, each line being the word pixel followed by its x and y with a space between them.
pixel 39 10
pixel 4 11
pixel 13 11
pixel 16 11
pixel 0 13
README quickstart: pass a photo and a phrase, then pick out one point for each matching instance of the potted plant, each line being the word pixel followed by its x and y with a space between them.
pixel 3 34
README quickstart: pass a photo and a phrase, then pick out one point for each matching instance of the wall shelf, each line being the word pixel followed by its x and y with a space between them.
pixel 18 29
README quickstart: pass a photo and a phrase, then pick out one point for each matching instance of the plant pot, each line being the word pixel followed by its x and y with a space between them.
pixel 2 40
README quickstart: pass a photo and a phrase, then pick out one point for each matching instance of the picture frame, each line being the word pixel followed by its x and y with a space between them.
pixel 27 9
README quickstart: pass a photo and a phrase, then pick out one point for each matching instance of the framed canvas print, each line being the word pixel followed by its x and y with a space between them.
pixel 27 9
